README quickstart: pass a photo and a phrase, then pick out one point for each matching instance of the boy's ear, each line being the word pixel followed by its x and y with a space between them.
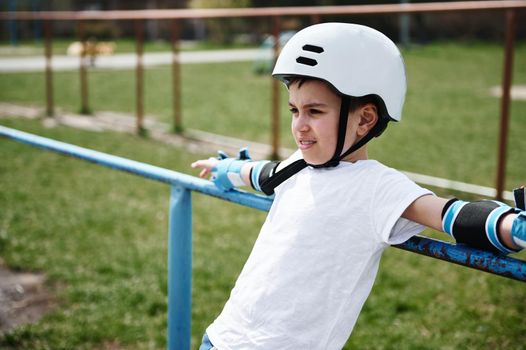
pixel 368 115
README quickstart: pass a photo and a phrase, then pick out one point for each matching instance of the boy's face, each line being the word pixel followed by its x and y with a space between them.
pixel 315 109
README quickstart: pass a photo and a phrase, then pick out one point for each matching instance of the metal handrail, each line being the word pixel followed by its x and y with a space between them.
pixel 180 229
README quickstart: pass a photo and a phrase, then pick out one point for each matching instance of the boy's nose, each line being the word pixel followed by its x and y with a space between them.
pixel 301 123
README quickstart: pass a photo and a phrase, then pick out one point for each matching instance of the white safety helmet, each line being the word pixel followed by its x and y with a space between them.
pixel 356 60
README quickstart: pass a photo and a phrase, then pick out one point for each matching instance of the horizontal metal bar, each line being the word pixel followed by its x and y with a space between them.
pixel 466 256
pixel 267 11
pixel 458 254
pixel 142 169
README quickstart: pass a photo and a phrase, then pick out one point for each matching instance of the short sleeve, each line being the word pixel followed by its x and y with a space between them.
pixel 393 193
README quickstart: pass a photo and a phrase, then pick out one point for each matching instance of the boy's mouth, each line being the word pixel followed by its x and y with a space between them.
pixel 305 144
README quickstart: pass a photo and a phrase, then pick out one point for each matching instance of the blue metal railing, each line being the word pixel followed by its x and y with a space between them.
pixel 180 230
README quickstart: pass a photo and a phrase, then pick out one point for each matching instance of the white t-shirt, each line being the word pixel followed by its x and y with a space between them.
pixel 315 260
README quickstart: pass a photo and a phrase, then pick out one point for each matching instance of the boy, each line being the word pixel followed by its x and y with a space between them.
pixel 335 211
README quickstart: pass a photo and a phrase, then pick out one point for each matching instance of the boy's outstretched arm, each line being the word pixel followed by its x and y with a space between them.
pixel 487 225
pixel 426 211
pixel 227 172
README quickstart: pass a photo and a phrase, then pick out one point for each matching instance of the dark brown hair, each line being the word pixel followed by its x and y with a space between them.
pixel 356 102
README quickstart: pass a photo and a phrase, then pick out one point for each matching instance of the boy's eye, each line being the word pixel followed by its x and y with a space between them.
pixel 293 110
pixel 315 111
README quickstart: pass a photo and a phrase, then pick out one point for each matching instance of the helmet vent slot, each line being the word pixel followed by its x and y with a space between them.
pixel 312 48
pixel 307 61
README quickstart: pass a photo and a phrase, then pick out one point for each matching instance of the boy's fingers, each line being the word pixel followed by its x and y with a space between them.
pixel 199 164
pixel 196 164
pixel 206 172
pixel 206 165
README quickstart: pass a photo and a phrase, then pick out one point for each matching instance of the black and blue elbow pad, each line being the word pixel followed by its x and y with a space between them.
pixel 476 223
pixel 265 175
pixel 260 172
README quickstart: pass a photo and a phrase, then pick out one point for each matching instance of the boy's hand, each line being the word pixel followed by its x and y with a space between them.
pixel 225 171
pixel 206 165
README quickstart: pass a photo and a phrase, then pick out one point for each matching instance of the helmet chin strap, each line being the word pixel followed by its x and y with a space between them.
pixel 377 129
pixel 342 129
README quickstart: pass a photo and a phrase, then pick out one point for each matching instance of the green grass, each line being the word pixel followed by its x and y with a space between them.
pixel 122 45
pixel 60 47
pixel 100 235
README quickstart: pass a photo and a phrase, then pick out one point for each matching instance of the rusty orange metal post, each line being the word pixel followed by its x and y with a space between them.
pixel 505 102
pixel 139 83
pixel 315 19
pixel 84 107
pixel 276 25
pixel 49 69
pixel 176 79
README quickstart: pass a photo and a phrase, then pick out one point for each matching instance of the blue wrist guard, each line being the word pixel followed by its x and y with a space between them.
pixel 518 230
pixel 227 174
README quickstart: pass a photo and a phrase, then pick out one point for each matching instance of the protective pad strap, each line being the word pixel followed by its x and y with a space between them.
pixel 449 214
pixel 476 223
pixel 259 172
pixel 272 178
pixel 520 198
pixel 265 178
